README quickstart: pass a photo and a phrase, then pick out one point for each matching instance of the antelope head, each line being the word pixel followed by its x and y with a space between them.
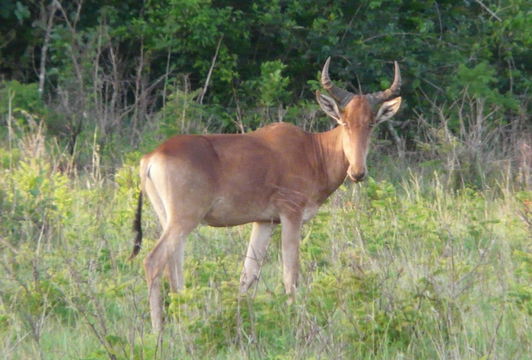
pixel 357 115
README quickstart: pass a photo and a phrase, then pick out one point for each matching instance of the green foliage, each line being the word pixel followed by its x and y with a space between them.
pixel 181 113
pixel 221 318
pixel 265 50
pixel 8 157
pixel 314 247
pixel 24 101
pixel 479 82
pixel 521 292
pixel 408 268
pixel 381 195
pixel 37 195
pixel 521 295
pixel 272 85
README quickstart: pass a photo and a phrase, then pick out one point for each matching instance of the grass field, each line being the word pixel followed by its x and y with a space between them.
pixel 407 265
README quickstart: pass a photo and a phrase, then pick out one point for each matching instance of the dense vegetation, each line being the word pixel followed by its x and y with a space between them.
pixel 429 258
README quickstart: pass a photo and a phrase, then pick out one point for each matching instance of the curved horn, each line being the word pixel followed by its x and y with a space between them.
pixel 393 91
pixel 339 94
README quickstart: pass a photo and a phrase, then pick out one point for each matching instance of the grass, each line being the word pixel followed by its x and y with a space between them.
pixel 404 266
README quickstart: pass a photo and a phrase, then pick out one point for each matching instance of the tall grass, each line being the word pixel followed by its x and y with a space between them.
pixel 419 262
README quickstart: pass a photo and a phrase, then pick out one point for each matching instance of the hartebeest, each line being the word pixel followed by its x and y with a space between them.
pixel 276 174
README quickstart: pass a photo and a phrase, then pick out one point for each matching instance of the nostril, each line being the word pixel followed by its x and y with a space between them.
pixel 360 176
pixel 356 177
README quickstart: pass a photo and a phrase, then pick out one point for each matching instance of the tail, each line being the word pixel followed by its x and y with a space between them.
pixel 137 227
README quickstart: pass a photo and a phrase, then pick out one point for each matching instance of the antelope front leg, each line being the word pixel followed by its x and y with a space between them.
pixel 290 237
pixel 258 244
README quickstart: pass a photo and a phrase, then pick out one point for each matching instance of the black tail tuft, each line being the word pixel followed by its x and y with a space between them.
pixel 137 227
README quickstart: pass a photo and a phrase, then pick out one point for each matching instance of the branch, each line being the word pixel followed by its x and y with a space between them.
pixel 390 34
pixel 42 70
pixel 396 139
pixel 72 28
pixel 200 99
pixel 488 10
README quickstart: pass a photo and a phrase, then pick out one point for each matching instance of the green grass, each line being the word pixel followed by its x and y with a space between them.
pixel 399 267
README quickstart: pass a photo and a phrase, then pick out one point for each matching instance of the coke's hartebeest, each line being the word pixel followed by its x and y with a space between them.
pixel 278 174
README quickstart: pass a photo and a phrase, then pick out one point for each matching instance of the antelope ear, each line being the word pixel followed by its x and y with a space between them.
pixel 388 109
pixel 329 106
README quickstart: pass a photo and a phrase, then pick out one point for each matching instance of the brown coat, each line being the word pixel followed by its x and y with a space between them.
pixel 277 174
